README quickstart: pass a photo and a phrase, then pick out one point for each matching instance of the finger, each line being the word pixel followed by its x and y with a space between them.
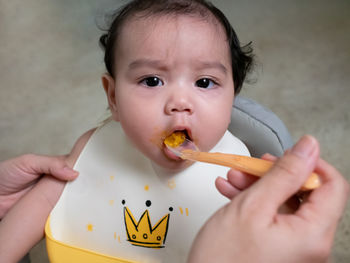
pixel 240 180
pixel 286 176
pixel 225 188
pixel 328 202
pixel 269 157
pixel 55 166
pixel 66 173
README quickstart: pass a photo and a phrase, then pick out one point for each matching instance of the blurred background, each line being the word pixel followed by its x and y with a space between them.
pixel 51 63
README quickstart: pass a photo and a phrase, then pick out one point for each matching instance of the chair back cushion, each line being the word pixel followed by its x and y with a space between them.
pixel 259 128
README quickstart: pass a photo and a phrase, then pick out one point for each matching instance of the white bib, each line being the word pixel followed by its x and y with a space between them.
pixel 122 206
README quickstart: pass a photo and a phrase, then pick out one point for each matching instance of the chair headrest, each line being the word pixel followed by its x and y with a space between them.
pixel 259 128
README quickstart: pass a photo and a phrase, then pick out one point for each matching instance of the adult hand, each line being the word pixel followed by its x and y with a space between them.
pixel 250 228
pixel 18 175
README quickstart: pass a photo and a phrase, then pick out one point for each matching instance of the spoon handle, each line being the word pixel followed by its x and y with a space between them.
pixel 251 165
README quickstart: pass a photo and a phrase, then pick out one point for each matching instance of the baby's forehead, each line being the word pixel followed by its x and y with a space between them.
pixel 179 40
pixel 137 22
pixel 158 28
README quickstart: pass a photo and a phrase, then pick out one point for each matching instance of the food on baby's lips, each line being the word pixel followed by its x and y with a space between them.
pixel 175 139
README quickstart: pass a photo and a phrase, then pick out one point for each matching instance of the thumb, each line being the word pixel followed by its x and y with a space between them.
pixel 52 165
pixel 286 176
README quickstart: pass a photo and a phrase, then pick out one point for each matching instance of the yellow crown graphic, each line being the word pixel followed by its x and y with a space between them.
pixel 142 234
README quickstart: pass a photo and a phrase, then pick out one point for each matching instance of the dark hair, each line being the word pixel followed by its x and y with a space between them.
pixel 241 57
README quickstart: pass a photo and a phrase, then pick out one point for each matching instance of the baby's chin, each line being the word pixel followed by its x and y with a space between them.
pixel 168 161
pixel 171 165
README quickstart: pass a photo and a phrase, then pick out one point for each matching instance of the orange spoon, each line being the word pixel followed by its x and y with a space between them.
pixel 255 166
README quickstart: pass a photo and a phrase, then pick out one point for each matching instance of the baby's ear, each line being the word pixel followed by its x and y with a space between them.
pixel 108 83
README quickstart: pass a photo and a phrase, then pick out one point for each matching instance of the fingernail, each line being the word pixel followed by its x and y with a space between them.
pixel 305 146
pixel 70 171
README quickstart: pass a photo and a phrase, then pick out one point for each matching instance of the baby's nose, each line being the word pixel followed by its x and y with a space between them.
pixel 179 102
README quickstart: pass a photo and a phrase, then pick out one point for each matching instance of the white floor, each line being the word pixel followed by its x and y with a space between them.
pixel 50 67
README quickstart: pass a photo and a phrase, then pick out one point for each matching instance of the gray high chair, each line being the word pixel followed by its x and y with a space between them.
pixel 259 128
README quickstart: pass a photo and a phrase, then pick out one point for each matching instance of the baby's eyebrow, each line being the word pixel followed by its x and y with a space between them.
pixel 200 65
pixel 212 65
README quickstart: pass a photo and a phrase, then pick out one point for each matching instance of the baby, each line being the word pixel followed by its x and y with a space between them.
pixel 173 65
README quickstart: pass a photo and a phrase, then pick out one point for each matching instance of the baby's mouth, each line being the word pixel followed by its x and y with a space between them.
pixel 174 140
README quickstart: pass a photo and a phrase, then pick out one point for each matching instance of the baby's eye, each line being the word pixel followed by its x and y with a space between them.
pixel 205 83
pixel 152 82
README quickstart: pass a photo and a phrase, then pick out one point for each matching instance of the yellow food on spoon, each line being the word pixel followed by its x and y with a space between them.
pixel 175 139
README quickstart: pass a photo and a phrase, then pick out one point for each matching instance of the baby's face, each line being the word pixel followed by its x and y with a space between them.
pixel 172 73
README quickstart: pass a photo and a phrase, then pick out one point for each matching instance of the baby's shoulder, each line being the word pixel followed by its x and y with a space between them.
pixel 78 147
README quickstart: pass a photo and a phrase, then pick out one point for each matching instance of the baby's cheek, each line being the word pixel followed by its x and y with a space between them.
pixel 206 142
pixel 213 135
pixel 157 137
